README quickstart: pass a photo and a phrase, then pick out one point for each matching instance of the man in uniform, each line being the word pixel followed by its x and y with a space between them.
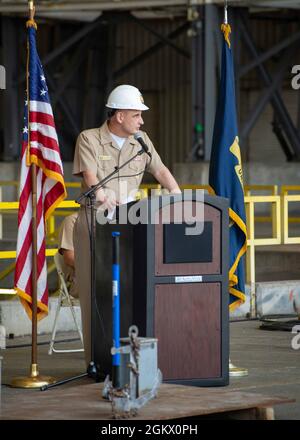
pixel 97 153
pixel 66 249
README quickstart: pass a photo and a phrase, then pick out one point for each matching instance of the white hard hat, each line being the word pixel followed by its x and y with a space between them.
pixel 126 97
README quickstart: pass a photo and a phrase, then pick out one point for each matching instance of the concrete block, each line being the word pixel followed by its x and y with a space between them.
pixel 242 311
pixel 2 337
pixel 278 298
pixel 272 298
pixel 14 318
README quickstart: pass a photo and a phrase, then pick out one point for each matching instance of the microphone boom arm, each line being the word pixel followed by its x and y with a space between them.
pixel 102 182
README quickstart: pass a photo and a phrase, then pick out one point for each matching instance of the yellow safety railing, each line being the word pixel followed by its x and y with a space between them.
pixel 286 219
pixel 12 207
pixel 194 187
pixel 288 195
pixel 9 183
pixel 286 189
pixel 251 190
pixel 270 189
pixel 9 206
pixel 253 241
pixel 279 217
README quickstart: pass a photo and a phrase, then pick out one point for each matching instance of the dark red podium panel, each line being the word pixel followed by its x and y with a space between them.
pixel 187 325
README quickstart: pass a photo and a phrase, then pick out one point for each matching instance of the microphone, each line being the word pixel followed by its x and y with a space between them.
pixel 138 137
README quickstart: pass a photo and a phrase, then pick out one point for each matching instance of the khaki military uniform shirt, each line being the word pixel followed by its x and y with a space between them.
pixel 65 241
pixel 96 151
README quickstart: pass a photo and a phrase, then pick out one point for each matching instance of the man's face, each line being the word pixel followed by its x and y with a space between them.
pixel 130 121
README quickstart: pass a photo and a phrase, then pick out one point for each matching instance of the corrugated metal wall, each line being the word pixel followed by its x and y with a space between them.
pixel 165 81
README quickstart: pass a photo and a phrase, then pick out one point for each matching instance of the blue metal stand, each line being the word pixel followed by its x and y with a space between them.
pixel 116 358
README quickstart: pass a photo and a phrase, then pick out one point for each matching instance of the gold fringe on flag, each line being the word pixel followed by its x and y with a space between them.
pixel 31 23
pixel 226 29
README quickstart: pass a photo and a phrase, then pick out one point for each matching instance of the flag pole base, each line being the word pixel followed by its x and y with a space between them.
pixel 32 381
pixel 237 371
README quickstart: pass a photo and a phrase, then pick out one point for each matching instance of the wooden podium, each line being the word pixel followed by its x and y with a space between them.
pixel 173 286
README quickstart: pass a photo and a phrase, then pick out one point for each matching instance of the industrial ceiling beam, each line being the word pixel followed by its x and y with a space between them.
pixel 271 52
pixel 161 37
pixel 71 70
pixel 92 6
pixel 10 100
pixel 267 94
pixel 113 5
pixel 276 100
pixel 279 3
pixel 64 106
pixel 66 45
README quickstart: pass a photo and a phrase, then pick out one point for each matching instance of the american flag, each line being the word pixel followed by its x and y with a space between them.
pixel 39 146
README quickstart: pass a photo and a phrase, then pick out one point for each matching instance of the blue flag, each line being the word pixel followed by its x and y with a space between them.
pixel 226 175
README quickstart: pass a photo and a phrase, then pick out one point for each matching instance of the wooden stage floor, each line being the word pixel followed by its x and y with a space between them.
pixel 273 383
pixel 85 402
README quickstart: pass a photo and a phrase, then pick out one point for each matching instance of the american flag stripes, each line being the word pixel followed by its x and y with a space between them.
pixel 39 146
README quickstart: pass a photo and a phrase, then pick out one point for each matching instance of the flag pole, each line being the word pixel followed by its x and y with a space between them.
pixel 225 12
pixel 34 380
pixel 233 370
pixel 34 368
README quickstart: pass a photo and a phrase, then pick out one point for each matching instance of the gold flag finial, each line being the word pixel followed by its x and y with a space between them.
pixel 31 9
